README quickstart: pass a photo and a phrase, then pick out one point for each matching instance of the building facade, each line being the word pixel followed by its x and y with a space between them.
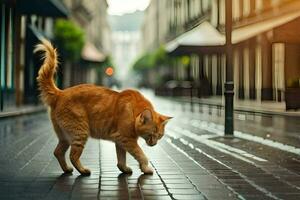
pixel 265 44
pixel 91 16
pixel 22 25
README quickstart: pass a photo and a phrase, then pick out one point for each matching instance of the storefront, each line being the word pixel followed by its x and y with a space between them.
pixel 23 23
pixel 265 56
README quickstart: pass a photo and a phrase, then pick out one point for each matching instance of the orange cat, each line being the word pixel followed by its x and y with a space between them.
pixel 87 110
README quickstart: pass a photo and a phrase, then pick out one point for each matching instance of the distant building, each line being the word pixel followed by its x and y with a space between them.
pixel 91 16
pixel 125 43
pixel 265 38
pixel 125 50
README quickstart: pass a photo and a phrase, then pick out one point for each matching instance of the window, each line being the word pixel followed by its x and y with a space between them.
pixel 246 72
pixel 206 4
pixel 195 66
pixel 214 13
pixel 246 8
pixel 9 73
pixel 275 2
pixel 214 71
pixel 2 51
pixel 278 51
pixel 199 8
pixel 236 72
pixel 193 8
pixel 222 12
pixel 182 11
pixel 206 66
pixel 235 10
pixel 258 5
pixel 258 71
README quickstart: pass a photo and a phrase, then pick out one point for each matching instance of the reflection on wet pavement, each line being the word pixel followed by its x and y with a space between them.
pixel 190 162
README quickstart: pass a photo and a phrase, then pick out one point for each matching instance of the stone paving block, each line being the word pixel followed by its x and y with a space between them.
pixel 115 193
pixel 179 186
pixel 156 192
pixel 289 196
pixel 112 188
pixel 161 197
pixel 189 197
pixel 152 187
pixel 255 197
pixel 146 182
pixel 169 172
pixel 176 181
pixel 189 191
pixel 175 176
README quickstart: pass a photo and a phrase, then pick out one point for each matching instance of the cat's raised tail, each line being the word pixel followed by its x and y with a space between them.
pixel 45 79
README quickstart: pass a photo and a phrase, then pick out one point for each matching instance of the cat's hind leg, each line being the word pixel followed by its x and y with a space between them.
pixel 121 155
pixel 77 147
pixel 59 153
pixel 61 149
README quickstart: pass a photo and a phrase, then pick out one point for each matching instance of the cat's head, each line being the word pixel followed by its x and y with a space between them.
pixel 151 126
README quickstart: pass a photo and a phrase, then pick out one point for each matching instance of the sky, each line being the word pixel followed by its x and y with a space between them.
pixel 119 7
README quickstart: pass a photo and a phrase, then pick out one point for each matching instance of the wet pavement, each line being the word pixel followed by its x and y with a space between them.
pixel 193 161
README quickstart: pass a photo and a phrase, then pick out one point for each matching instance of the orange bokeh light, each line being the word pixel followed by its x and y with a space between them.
pixel 109 71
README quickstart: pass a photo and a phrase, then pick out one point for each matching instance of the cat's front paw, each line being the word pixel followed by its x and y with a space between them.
pixel 85 172
pixel 124 169
pixel 68 170
pixel 146 169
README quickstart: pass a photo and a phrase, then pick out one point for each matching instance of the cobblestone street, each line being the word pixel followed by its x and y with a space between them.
pixel 189 163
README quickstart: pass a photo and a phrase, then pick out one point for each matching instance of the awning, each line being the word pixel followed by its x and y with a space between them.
pixel 91 53
pixel 249 31
pixel 205 37
pixel 47 8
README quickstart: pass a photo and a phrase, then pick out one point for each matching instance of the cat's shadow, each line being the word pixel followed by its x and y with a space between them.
pixel 123 178
pixel 142 179
pixel 67 181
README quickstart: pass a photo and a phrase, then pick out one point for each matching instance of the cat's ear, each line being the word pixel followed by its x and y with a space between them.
pixel 145 116
pixel 165 119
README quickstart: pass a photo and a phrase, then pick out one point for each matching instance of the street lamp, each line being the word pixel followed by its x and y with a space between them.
pixel 229 92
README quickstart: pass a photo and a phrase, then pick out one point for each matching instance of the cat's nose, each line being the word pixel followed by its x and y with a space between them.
pixel 153 144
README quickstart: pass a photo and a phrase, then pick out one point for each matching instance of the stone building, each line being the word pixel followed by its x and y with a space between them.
pixel 264 35
pixel 91 16
pixel 24 23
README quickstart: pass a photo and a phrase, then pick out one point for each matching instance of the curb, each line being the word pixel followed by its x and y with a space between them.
pixel 238 108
